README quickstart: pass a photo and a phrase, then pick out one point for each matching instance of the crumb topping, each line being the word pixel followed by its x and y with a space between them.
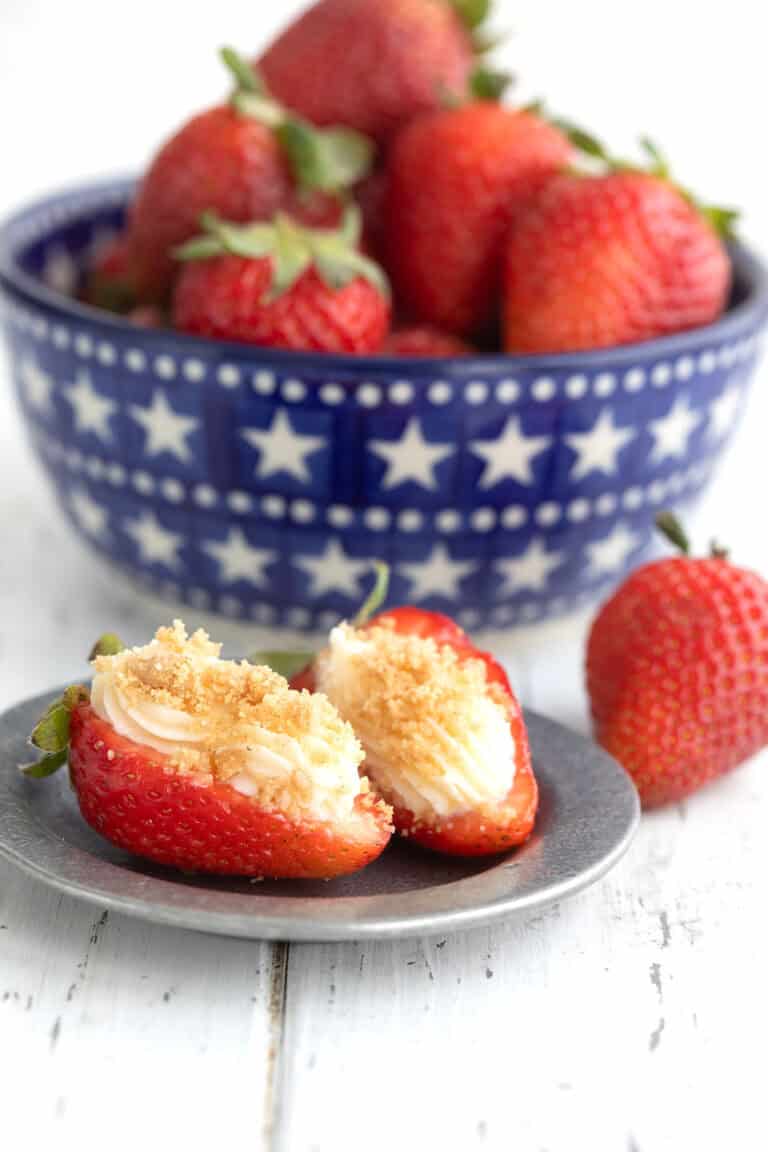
pixel 231 720
pixel 435 731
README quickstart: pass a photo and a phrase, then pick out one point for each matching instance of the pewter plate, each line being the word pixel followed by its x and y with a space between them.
pixel 588 816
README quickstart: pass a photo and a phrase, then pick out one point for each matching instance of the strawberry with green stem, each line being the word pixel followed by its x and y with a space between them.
pixel 162 807
pixel 281 285
pixel 420 643
pixel 613 257
pixel 245 160
pixel 677 670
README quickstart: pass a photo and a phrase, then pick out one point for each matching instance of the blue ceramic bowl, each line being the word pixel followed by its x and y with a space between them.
pixel 262 483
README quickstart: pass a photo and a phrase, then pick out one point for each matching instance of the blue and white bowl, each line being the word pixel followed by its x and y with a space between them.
pixel 262 483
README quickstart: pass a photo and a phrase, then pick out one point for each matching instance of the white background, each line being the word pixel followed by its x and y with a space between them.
pixel 119 1032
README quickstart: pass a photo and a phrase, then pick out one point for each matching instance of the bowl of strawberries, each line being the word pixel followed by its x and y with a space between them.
pixel 363 309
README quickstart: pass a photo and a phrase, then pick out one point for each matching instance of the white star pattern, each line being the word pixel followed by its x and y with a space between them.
pixel 672 432
pixel 60 271
pixel 510 456
pixel 333 570
pixel 281 449
pixel 723 412
pixel 530 570
pixel 90 409
pixel 166 430
pixel 598 450
pixel 155 543
pixel 411 457
pixel 437 576
pixel 91 517
pixel 237 559
pixel 610 554
pixel 37 386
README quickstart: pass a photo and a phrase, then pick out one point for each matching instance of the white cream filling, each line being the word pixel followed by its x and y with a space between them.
pixel 271 766
pixel 433 770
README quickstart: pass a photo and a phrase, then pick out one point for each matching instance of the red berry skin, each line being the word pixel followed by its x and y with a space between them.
pixel 605 260
pixel 472 833
pixel 129 794
pixel 110 281
pixel 421 341
pixel 456 179
pixel 219 161
pixel 227 298
pixel 677 674
pixel 369 64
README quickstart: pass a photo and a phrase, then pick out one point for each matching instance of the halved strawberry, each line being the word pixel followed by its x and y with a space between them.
pixel 132 796
pixel 258 782
pixel 468 833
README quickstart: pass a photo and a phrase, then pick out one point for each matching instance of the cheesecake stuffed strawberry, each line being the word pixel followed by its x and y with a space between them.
pixel 444 736
pixel 213 766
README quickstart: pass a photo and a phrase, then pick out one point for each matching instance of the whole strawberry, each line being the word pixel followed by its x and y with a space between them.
pixel 109 280
pixel 373 64
pixel 456 178
pixel 609 259
pixel 281 285
pixel 421 341
pixel 677 671
pixel 245 160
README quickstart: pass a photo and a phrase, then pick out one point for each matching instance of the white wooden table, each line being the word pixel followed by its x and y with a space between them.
pixel 629 1018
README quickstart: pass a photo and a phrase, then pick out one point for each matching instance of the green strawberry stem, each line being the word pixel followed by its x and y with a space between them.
pixel 673 531
pixel 325 159
pixel 289 663
pixel 671 528
pixel 376 596
pixel 292 248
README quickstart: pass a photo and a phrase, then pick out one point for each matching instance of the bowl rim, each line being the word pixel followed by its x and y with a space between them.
pixel 96 193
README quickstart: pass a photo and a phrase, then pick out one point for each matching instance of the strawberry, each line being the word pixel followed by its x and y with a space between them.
pixel 611 258
pixel 373 64
pixel 283 286
pixel 456 178
pixel 147 316
pixel 110 280
pixel 140 800
pixel 245 160
pixel 677 671
pixel 127 794
pixel 421 341
pixel 470 832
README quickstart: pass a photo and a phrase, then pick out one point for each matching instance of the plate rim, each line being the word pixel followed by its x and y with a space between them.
pixel 292 926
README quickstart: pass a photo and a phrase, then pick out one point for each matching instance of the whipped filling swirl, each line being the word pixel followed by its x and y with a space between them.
pixel 436 735
pixel 235 722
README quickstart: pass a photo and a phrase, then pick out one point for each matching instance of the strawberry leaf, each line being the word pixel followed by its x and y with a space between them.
pixel 487 84
pixel 45 766
pixel 284 663
pixel 473 13
pixel 329 159
pixel 108 644
pixel 51 733
pixel 246 77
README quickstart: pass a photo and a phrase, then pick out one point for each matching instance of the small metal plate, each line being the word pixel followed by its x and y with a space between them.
pixel 589 813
